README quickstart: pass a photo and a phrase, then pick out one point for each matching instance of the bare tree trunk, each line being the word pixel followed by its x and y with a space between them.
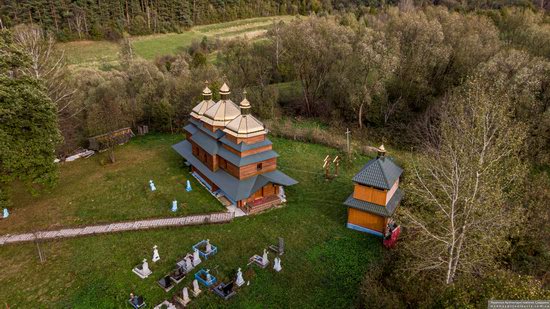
pixel 360 116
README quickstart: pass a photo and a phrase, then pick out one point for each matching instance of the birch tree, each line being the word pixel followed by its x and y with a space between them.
pixel 47 64
pixel 462 184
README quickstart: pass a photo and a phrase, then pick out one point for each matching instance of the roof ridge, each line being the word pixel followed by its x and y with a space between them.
pixel 383 174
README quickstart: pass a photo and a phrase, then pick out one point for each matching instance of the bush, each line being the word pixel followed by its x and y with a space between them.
pixel 501 285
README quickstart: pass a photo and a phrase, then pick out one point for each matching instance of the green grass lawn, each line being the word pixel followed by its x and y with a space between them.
pixel 95 53
pixel 91 191
pixel 322 267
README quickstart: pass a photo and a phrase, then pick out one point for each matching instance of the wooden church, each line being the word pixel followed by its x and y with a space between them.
pixel 229 152
pixel 376 195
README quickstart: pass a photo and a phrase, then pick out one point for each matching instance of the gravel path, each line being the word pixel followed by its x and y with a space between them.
pixel 222 217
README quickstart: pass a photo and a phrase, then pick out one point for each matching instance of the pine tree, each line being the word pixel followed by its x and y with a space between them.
pixel 28 123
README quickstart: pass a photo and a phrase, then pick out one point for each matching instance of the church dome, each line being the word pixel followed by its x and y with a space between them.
pixel 221 113
pixel 205 104
pixel 245 126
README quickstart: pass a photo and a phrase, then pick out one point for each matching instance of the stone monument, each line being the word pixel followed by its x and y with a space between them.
pixel 264 258
pixel 239 281
pixel 277 264
pixel 188 264
pixel 174 206
pixel 208 246
pixel 152 185
pixel 185 295
pixel 196 258
pixel 156 255
pixel 144 271
pixel 196 290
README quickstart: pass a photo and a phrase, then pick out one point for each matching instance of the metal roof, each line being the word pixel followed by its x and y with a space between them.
pixel 191 128
pixel 385 211
pixel 221 113
pixel 242 161
pixel 380 173
pixel 242 146
pixel 245 126
pixel 207 143
pixel 198 124
pixel 202 107
pixel 234 188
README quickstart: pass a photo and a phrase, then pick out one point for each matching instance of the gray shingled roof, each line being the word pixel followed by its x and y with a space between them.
pixel 242 161
pixel 241 147
pixel 386 211
pixel 191 128
pixel 234 188
pixel 207 143
pixel 379 173
pixel 198 124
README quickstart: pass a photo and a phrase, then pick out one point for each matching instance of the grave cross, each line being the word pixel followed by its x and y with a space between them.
pixel 336 162
pixel 326 166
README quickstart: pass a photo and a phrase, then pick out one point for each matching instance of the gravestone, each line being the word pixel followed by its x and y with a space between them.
pixel 152 185
pixel 6 213
pixel 264 258
pixel 196 290
pixel 188 188
pixel 239 281
pixel 156 255
pixel 208 246
pixel 277 264
pixel 196 258
pixel 185 296
pixel 174 206
pixel 144 271
pixel 188 264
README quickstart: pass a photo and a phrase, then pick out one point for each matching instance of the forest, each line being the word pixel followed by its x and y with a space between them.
pixel 110 19
pixel 465 88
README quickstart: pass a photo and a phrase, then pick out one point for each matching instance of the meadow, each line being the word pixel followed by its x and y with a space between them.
pixel 323 265
pixel 96 53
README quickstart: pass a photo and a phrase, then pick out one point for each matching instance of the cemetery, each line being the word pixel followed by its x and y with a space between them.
pixel 216 273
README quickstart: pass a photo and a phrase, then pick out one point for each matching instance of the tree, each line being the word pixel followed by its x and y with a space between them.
pixel 462 186
pixel 47 63
pixel 368 69
pixel 313 49
pixel 107 106
pixel 28 122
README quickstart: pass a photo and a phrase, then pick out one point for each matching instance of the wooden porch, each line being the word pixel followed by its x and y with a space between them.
pixel 261 204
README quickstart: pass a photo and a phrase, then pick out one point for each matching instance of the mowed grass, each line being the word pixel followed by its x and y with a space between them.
pixel 92 191
pixel 95 53
pixel 323 265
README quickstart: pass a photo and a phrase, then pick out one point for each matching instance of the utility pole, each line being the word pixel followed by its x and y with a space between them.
pixel 348 132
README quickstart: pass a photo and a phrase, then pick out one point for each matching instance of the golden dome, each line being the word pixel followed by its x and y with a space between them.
pixel 245 126
pixel 244 103
pixel 225 89
pixel 221 113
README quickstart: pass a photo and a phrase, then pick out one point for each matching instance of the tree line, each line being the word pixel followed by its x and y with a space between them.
pixel 109 19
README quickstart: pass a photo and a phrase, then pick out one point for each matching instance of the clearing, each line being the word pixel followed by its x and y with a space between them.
pixel 323 265
pixel 96 53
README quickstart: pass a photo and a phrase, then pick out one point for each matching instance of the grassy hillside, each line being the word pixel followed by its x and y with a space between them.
pixel 322 267
pixel 93 53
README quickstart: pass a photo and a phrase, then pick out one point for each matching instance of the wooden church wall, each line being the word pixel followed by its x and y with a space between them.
pixel 369 194
pixel 365 219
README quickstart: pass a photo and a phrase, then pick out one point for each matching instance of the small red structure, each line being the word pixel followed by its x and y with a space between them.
pixel 392 233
